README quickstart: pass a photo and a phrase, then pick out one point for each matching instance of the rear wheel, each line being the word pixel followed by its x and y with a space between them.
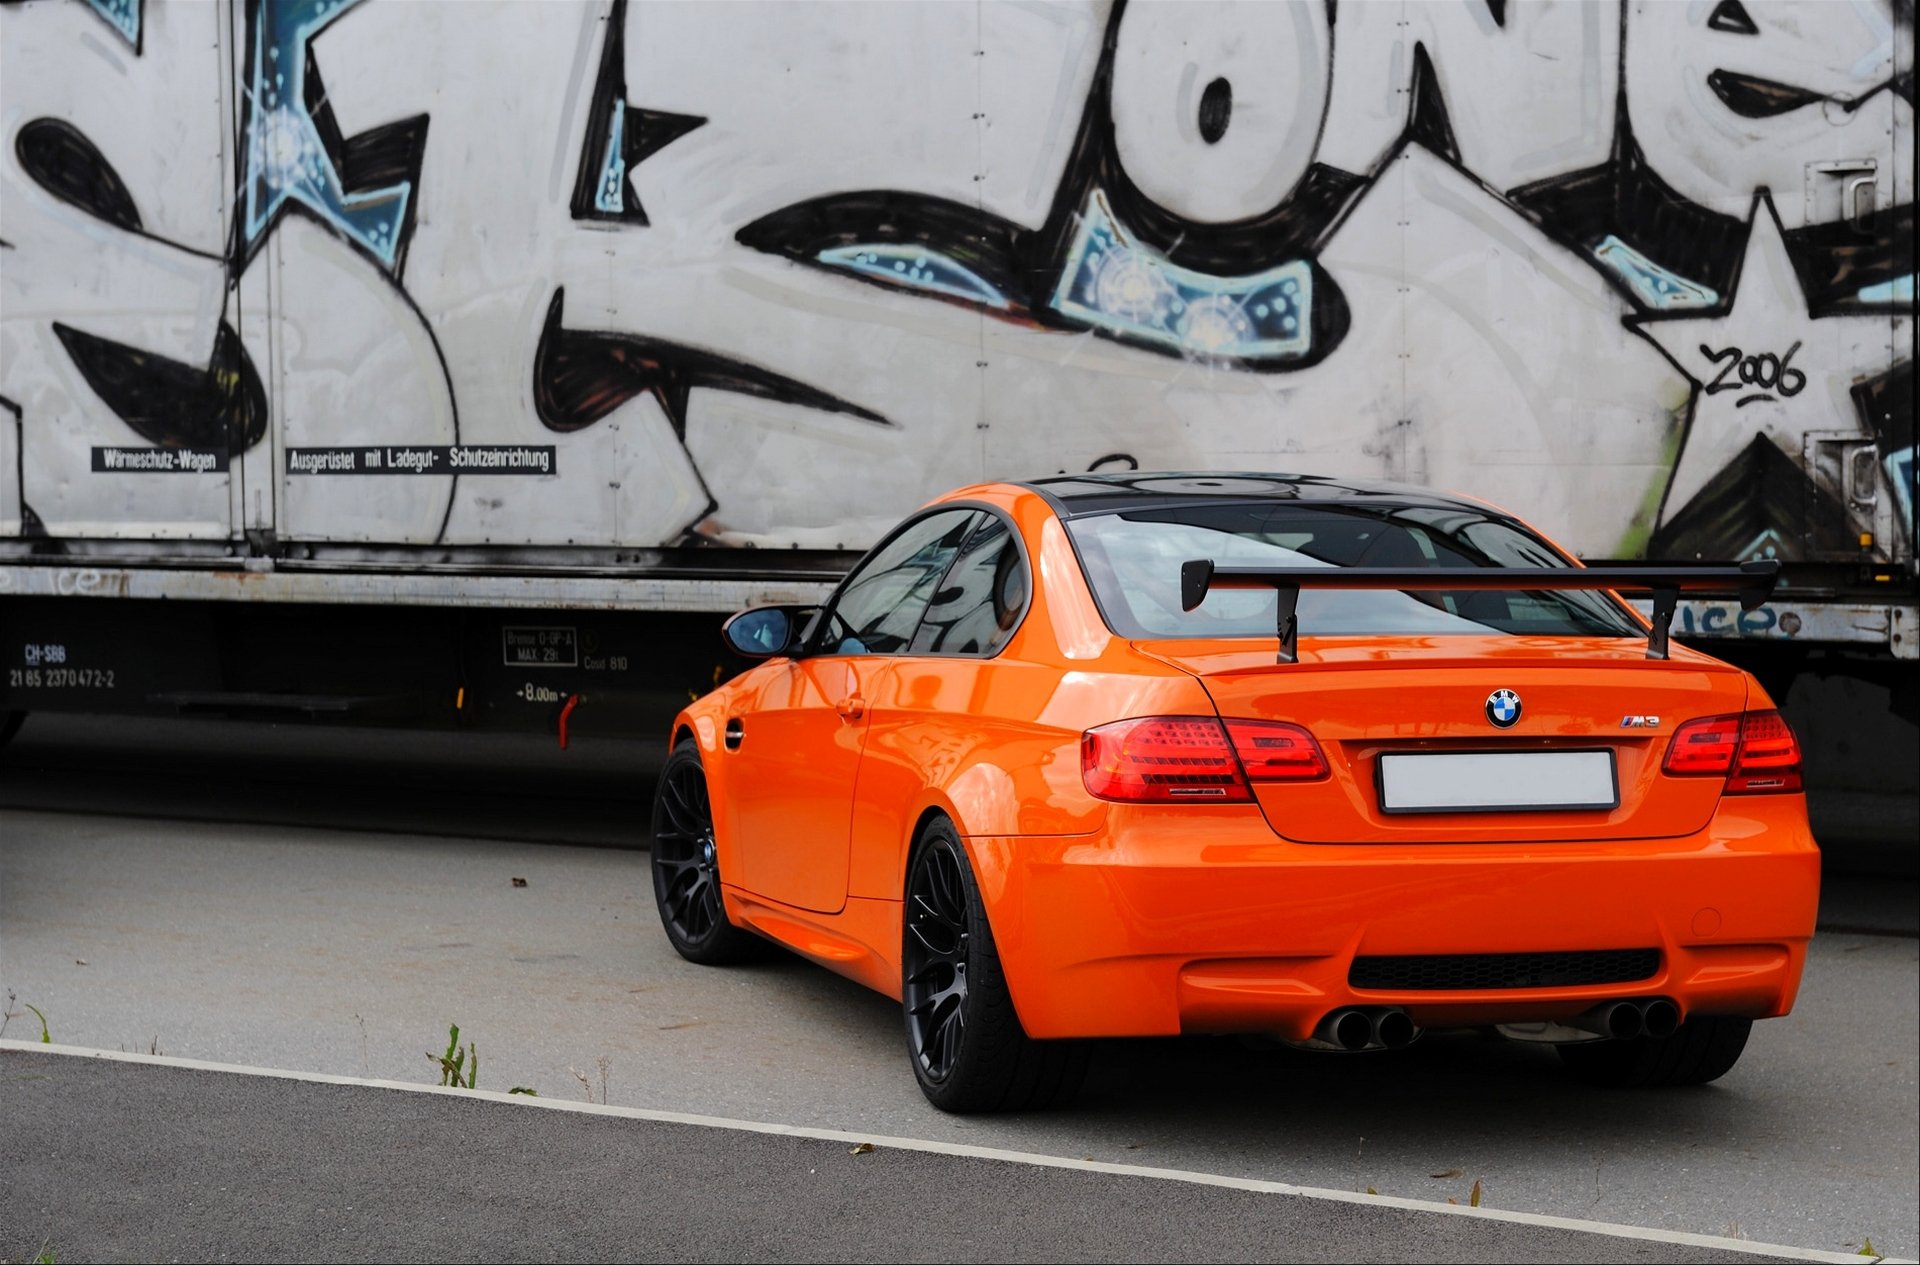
pixel 686 869
pixel 968 1049
pixel 1705 1048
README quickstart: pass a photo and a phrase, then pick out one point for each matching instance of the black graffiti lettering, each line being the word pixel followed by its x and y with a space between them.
pixel 71 167
pixel 1731 16
pixel 1733 360
pixel 1756 98
pixel 601 190
pixel 580 376
pixel 1799 383
pixel 222 407
pixel 1016 271
pixel 1763 369
pixel 1216 107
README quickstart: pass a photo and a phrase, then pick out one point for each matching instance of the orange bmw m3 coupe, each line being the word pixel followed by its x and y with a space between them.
pixel 1334 762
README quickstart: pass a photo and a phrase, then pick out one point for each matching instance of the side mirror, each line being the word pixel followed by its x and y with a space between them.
pixel 766 631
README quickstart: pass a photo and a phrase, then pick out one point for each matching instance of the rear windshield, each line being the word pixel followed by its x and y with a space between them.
pixel 1133 560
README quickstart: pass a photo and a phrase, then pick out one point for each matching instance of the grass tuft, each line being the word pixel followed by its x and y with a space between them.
pixel 460 1065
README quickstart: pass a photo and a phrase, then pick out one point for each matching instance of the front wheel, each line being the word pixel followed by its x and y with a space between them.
pixel 966 1044
pixel 686 868
pixel 1704 1048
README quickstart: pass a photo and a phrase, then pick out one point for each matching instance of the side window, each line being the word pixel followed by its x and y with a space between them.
pixel 882 603
pixel 981 599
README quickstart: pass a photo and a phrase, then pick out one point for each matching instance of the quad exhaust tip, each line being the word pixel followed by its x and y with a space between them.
pixel 1350 1029
pixel 1622 1019
pixel 1355 1028
pixel 1654 1017
pixel 1365 1028
pixel 1393 1029
pixel 1660 1018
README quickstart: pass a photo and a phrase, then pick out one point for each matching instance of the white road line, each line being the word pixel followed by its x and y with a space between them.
pixel 1778 1250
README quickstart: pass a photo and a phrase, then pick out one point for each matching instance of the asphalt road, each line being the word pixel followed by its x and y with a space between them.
pixel 135 922
pixel 301 1171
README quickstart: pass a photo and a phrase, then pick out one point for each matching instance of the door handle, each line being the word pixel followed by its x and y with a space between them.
pixel 736 733
pixel 1858 196
pixel 1860 481
pixel 851 707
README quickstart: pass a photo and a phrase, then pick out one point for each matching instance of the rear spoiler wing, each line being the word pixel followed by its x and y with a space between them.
pixel 1751 582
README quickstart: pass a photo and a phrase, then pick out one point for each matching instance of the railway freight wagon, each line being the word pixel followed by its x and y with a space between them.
pixel 455 363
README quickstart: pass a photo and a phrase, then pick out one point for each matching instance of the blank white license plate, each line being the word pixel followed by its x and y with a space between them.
pixel 1497 781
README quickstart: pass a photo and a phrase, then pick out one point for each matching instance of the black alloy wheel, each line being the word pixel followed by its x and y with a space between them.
pixel 935 961
pixel 968 1050
pixel 686 869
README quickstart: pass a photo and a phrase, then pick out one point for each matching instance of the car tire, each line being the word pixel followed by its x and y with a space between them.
pixel 1705 1048
pixel 966 1044
pixel 686 869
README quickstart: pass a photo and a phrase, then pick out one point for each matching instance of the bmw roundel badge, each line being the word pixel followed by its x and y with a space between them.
pixel 1503 708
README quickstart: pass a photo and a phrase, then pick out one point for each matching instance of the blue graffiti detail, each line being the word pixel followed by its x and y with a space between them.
pixel 1768 544
pixel 610 196
pixel 1899 290
pixel 1901 477
pixel 915 268
pixel 122 15
pixel 1730 621
pixel 1114 283
pixel 1651 284
pixel 285 158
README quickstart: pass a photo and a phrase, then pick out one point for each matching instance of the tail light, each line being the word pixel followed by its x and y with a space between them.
pixel 1272 751
pixel 1769 758
pixel 1704 747
pixel 1165 759
pixel 1755 751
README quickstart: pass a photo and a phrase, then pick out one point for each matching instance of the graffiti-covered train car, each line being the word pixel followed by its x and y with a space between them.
pixel 454 359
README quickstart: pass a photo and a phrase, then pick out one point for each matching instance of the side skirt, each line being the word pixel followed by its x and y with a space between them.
pixel 861 942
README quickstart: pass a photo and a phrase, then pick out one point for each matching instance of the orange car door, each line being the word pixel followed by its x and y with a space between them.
pixel 791 782
pixel 792 777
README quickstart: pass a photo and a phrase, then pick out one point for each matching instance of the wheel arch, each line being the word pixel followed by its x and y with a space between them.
pixel 928 815
pixel 990 855
pixel 699 721
pixel 929 806
pixel 702 722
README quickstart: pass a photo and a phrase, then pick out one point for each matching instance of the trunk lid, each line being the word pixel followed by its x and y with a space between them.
pixel 1368 697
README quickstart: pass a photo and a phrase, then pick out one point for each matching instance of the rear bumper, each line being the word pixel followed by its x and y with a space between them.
pixel 1204 921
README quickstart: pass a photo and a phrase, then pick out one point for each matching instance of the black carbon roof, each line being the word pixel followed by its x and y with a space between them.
pixel 1074 495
